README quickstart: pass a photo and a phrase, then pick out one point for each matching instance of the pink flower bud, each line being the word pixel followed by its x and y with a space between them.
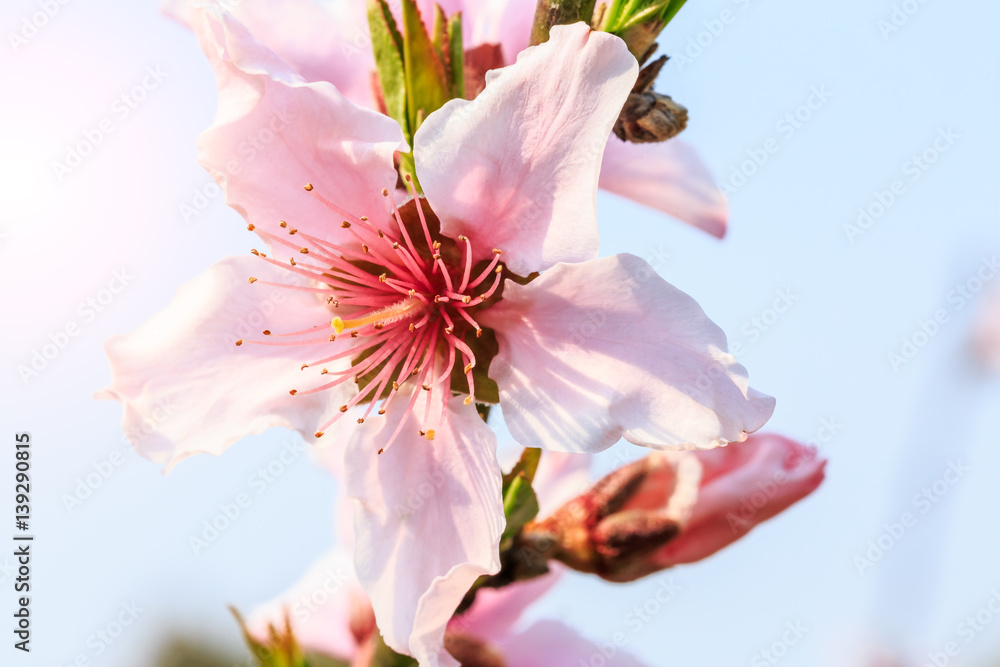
pixel 676 507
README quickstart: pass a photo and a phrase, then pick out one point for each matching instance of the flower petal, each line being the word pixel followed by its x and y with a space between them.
pixel 187 388
pixel 322 41
pixel 560 478
pixel 428 521
pixel 517 168
pixel 743 485
pixel 552 644
pixel 497 610
pixel 668 176
pixel 593 352
pixel 323 607
pixel 274 133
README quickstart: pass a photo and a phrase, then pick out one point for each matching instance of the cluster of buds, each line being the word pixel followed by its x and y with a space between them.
pixel 674 508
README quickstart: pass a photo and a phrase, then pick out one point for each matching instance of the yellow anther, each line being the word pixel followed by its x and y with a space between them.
pixel 251 280
pixel 308 187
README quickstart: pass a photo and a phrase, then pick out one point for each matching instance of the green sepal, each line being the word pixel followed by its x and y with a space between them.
pixel 315 660
pixel 526 465
pixel 387 45
pixel 426 85
pixel 386 657
pixel 456 56
pixel 520 505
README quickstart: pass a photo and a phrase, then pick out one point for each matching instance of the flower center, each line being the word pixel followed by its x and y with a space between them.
pixel 403 302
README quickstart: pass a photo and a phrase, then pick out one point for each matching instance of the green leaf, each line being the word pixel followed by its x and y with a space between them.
pixel 526 465
pixel 387 44
pixel 672 10
pixel 386 657
pixel 426 85
pixel 520 505
pixel 456 56
pixel 314 660
pixel 282 650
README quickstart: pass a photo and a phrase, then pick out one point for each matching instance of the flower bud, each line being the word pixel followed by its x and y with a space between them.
pixel 648 116
pixel 676 507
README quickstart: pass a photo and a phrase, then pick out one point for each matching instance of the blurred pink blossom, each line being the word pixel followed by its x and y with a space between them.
pixel 329 41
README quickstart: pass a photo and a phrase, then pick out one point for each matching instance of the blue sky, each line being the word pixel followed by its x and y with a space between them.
pixel 857 105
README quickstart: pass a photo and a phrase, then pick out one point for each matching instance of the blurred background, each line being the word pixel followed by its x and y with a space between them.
pixel 843 99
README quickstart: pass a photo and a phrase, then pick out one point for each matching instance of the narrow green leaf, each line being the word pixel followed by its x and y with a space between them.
pixel 456 56
pixel 440 33
pixel 672 10
pixel 526 465
pixel 426 85
pixel 520 505
pixel 387 45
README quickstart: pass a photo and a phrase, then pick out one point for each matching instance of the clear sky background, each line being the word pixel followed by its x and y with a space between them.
pixel 886 97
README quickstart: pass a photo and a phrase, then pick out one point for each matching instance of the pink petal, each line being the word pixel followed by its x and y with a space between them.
pixel 428 522
pixel 668 176
pixel 743 485
pixel 552 644
pixel 273 134
pixel 986 336
pixel 513 30
pixel 516 168
pixel 560 478
pixel 321 607
pixel 593 352
pixel 187 388
pixel 496 610
pixel 321 41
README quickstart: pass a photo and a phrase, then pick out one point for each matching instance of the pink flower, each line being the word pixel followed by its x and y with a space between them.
pixel 986 333
pixel 676 507
pixel 328 41
pixel 591 351
pixel 330 614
